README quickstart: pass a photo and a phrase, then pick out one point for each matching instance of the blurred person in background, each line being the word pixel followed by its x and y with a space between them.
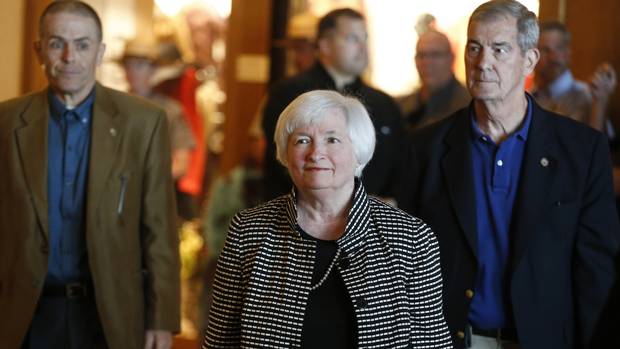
pixel 557 90
pixel 179 81
pixel 342 58
pixel 139 61
pixel 440 94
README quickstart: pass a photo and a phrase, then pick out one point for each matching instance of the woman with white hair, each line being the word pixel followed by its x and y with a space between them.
pixel 327 266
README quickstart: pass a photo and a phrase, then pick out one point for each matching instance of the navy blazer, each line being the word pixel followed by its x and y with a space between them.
pixel 564 229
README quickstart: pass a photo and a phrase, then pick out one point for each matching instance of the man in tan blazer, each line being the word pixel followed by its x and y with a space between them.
pixel 88 247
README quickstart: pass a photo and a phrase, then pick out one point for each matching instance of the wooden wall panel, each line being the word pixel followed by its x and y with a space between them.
pixel 549 10
pixel 11 44
pixel 246 74
pixel 595 26
pixel 33 78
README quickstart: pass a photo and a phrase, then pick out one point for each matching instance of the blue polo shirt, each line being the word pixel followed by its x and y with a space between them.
pixel 67 169
pixel 496 172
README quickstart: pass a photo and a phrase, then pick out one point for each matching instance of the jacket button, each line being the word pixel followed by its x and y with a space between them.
pixel 361 302
pixel 344 263
pixel 469 294
pixel 460 334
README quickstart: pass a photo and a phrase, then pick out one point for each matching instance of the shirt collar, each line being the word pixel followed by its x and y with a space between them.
pixel 520 133
pixel 340 80
pixel 358 220
pixel 58 108
pixel 562 84
pixel 334 80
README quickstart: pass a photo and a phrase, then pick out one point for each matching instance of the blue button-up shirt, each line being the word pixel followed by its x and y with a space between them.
pixel 496 170
pixel 67 170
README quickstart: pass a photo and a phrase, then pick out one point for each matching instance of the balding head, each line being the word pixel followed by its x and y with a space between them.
pixel 70 6
pixel 435 38
pixel 434 59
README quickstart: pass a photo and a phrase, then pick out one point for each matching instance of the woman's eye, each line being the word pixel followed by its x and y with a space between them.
pixel 333 140
pixel 302 141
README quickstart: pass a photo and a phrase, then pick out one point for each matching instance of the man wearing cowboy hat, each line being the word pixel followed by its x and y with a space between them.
pixel 139 61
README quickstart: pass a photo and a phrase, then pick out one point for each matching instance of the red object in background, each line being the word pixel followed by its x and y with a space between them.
pixel 529 82
pixel 183 89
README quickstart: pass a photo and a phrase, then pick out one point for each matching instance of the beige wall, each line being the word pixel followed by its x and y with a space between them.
pixel 11 46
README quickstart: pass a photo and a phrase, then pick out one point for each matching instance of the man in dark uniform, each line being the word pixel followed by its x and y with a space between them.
pixel 342 57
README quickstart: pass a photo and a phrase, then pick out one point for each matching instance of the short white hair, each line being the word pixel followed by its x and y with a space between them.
pixel 311 107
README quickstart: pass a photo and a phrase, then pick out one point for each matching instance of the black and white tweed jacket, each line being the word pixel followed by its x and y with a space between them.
pixel 390 268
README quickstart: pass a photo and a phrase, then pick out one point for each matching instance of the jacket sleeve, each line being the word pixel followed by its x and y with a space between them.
pixel 159 238
pixel 596 243
pixel 224 328
pixel 275 177
pixel 428 325
pixel 399 160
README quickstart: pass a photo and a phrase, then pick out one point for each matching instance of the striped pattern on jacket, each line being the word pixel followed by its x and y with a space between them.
pixel 263 277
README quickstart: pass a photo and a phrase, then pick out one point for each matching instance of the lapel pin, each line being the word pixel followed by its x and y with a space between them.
pixel 544 162
pixel 113 132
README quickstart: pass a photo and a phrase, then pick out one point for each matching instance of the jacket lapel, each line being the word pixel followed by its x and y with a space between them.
pixel 106 134
pixel 32 148
pixel 457 172
pixel 538 168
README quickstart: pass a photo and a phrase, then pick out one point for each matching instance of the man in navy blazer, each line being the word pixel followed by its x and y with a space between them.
pixel 520 199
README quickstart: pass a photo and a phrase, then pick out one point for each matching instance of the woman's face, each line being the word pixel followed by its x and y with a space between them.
pixel 321 157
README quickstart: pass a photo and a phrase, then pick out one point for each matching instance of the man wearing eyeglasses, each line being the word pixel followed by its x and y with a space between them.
pixel 440 94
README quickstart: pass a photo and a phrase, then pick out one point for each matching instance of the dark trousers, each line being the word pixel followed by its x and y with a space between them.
pixel 65 323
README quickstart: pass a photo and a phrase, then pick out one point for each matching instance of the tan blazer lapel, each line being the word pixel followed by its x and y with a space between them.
pixel 32 148
pixel 105 139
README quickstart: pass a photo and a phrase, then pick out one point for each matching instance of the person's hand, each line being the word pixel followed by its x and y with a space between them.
pixel 158 339
pixel 603 82
pixel 602 85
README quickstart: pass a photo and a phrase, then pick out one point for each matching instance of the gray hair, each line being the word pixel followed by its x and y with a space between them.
pixel 527 24
pixel 310 108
